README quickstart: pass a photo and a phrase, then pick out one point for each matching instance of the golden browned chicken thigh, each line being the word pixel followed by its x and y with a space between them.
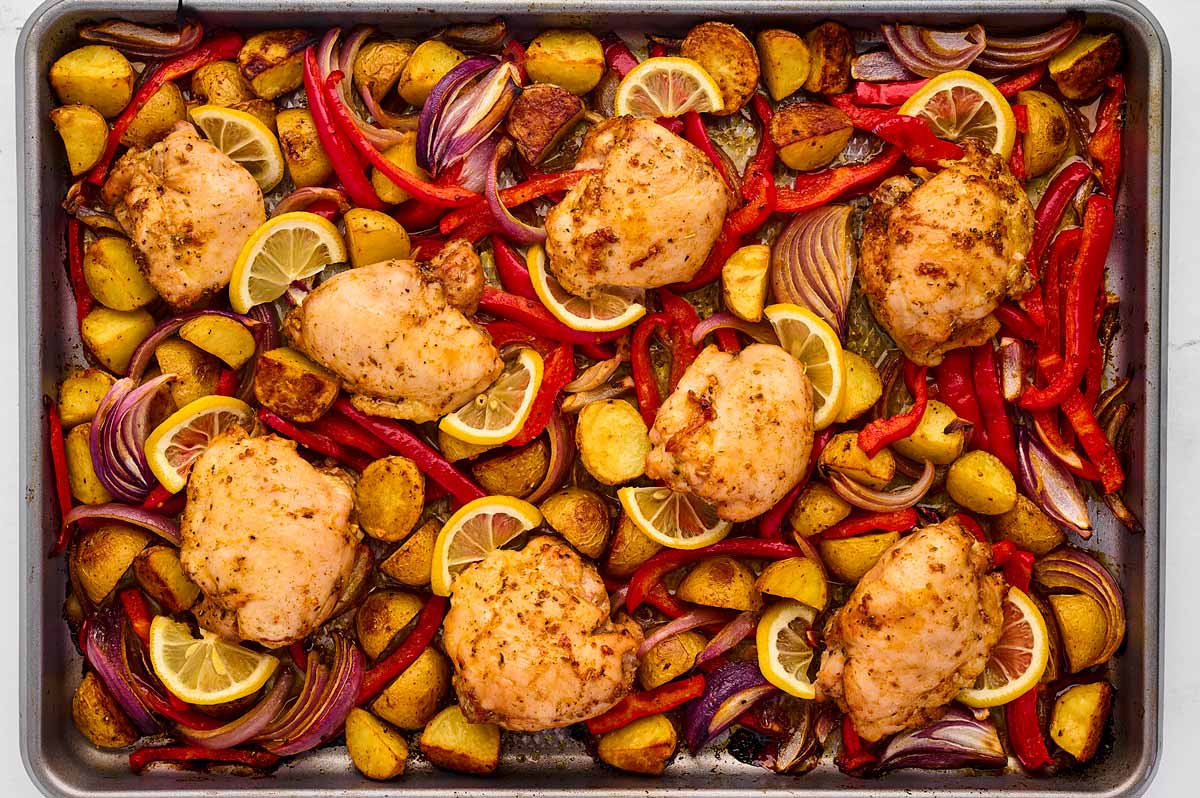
pixel 918 628
pixel 937 258
pixel 737 431
pixel 648 218
pixel 188 209
pixel 388 331
pixel 531 641
pixel 267 537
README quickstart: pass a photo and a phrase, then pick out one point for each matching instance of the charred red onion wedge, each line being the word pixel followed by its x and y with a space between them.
pixel 144 41
pixel 732 633
pixel 1071 569
pixel 701 616
pixel 241 729
pixel 464 109
pixel 929 52
pixel 882 501
pixel 1006 53
pixel 146 349
pixel 730 690
pixel 146 519
pixel 762 333
pixel 118 438
pixel 104 648
pixel 957 740
pixel 812 263
pixel 1014 357
pixel 1051 485
pixel 320 711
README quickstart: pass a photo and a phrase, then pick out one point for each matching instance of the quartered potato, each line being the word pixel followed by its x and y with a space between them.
pixel 720 582
pixel 817 509
pixel 727 55
pixel 95 75
pixel 80 394
pixel 796 578
pixel 670 659
pixel 849 558
pixel 373 236
pixel 389 497
pixel 744 281
pixel 810 135
pixel 981 483
pixel 376 749
pixel 412 562
pixel 863 387
pixel 428 64
pixel 935 438
pixel 381 616
pixel 580 516
pixel 113 275
pixel 306 161
pixel 830 49
pixel 273 61
pixel 378 65
pixel 516 472
pixel 1048 132
pixel 221 83
pixel 1079 716
pixel 220 336
pixel 156 118
pixel 101 556
pixel 572 59
pixel 842 454
pixel 413 698
pixel 1028 527
pixel 785 61
pixel 113 335
pixel 1083 628
pixel 450 741
pixel 196 371
pixel 630 548
pixel 159 572
pixel 85 485
pixel 288 383
pixel 403 155
pixel 541 118
pixel 1081 69
pixel 613 441
pixel 99 717
pixel 84 133
pixel 644 746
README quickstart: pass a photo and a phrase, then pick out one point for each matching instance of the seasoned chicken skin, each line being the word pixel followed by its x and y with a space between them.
pixel 918 628
pixel 937 258
pixel 648 218
pixel 531 641
pixel 389 333
pixel 267 537
pixel 188 209
pixel 737 431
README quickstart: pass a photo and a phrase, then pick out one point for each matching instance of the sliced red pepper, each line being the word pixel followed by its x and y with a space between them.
pixel 854 755
pixel 1025 731
pixel 758 183
pixel 1093 440
pixel 1002 552
pixel 134 604
pixel 617 55
pixel 1051 208
pixel 514 52
pixel 341 155
pixel 426 247
pixel 862 118
pixel 814 189
pixel 726 244
pixel 513 196
pixel 650 702
pixel 887 94
pixel 227 383
pixel 142 757
pixel 537 319
pixel 652 571
pixel 84 301
pixel 913 136
pixel 883 431
pixel 510 266
pixel 770 525
pixel 728 341
pixel 62 480
pixel 695 132
pixel 1016 161
pixel 645 381
pixel 683 320
pixel 1048 428
pixel 971 525
pixel 1105 144
pixel 894 521
pixel 220 47
pixel 1063 253
pixel 1001 441
pixel 169 708
pixel 1016 322
pixel 322 444
pixel 382 673
pixel 1018 569
pixel 349 434
pixel 299 655
pixel 557 371
pixel 1011 87
pixel 414 215
pixel 956 387
pixel 157 497
pixel 509 332
pixel 661 599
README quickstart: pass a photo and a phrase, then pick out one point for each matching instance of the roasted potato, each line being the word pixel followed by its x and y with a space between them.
pixel 196 372
pixel 373 236
pixel 1030 528
pixel 540 118
pixel 785 61
pixel 159 572
pixel 390 496
pixel 670 659
pixel 262 110
pixel 817 509
pixel 156 118
pixel 643 746
pixel 843 455
pixel 112 274
pixel 381 617
pixel 1081 69
pixel 95 75
pixel 849 558
pixel 412 562
pixel 378 65
pixel 85 485
pixel 273 61
pixel 720 582
pixel 1047 134
pixel 613 441
pixel 796 578
pixel 630 548
pixel 572 59
pixel 931 440
pixel 810 135
pixel 99 717
pixel 1077 722
pixel 112 335
pixel 1082 627
pixel 80 395
pixel 221 83
pixel 982 484
pixel 101 556
pixel 581 517
pixel 220 336
pixel 830 48
pixel 452 742
pixel 84 134
pixel 307 163
pixel 744 281
pixel 515 472
pixel 288 383
pixel 428 64
pixel 376 749
pixel 413 698
pixel 729 57
pixel 863 387
pixel 454 450
pixel 404 156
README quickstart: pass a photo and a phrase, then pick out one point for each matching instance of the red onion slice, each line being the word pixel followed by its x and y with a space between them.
pixel 1007 53
pixel 812 263
pixel 1051 485
pixel 732 633
pixel 701 616
pixel 245 727
pixel 881 501
pixel 104 648
pixel 1069 568
pixel 512 227
pixel 324 712
pixel 143 41
pixel 561 456
pixel 146 519
pixel 762 333
pixel 879 66
pixel 930 52
pixel 301 198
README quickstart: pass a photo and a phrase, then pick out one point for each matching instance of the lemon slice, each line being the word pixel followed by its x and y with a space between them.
pixel 784 654
pixel 813 342
pixel 206 671
pixel 676 520
pixel 286 248
pixel 613 310
pixel 176 443
pixel 245 139
pixel 477 529
pixel 962 104
pixel 667 86
pixel 1018 660
pixel 499 413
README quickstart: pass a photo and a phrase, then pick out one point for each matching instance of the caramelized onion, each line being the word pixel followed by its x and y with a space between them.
pixel 561 457
pixel 730 690
pixel 241 729
pixel 957 740
pixel 513 228
pixel 701 616
pixel 732 633
pixel 879 66
pixel 1006 53
pixel 812 263
pixel 1014 356
pixel 301 198
pixel 1051 485
pixel 929 52
pixel 144 41
pixel 762 333
pixel 1071 569
pixel 882 501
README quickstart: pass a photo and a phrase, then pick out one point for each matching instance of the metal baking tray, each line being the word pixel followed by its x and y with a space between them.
pixel 61 762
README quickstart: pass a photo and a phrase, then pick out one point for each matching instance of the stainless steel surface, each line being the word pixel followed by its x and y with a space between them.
pixel 61 762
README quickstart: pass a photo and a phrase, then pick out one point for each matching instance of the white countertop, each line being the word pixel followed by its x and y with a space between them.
pixel 1181 733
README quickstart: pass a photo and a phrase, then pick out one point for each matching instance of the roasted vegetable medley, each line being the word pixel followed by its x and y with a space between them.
pixel 748 390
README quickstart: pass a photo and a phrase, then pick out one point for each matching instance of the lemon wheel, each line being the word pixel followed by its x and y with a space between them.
pixel 676 520
pixel 813 342
pixel 477 529
pixel 667 86
pixel 613 310
pixel 175 444
pixel 499 413
pixel 962 104
pixel 206 670
pixel 284 249
pixel 1018 661
pixel 245 139
pixel 784 653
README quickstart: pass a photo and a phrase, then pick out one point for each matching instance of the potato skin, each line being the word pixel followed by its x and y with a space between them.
pixel 581 517
pixel 156 118
pixel 307 163
pixel 830 47
pixel 413 698
pixel 450 741
pixel 572 59
pixel 196 371
pixel 744 281
pixel 428 64
pixel 849 558
pixel 540 118
pixel 379 63
pixel 273 61
pixel 613 441
pixel 159 572
pixel 1048 134
pixel 1077 722
pixel 981 483
pixel 221 83
pixel 1082 627
pixel 670 659
pixel 403 155
pixel 373 236
pixel 1028 527
pixel 785 61
pixel 95 75
pixel 817 509
pixel 377 750
pixel 102 555
pixel 843 455
pixel 1081 69
pixel 412 562
pixel 222 337
pixel 111 271
pixel 720 582
pixel 84 134
pixel 81 473
pixel 390 496
pixel 112 335
pixel 863 387
pixel 796 578
pixel 80 394
pixel 262 110
pixel 930 440
pixel 381 616
pixel 99 717
pixel 643 746
pixel 516 472
pixel 288 383
pixel 727 55
pixel 455 450
pixel 630 548
pixel 810 135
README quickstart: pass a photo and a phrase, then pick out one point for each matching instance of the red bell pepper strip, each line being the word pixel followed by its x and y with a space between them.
pixel 726 244
pixel 558 370
pixel 645 381
pixel 1093 440
pixel 854 755
pixel 1011 87
pixel 651 572
pixel 220 47
pixel 862 118
pixel 887 94
pixel 1063 252
pixel 142 757
pixel 894 521
pixel 814 189
pixel 1016 160
pixel 168 708
pixel 426 247
pixel 322 444
pixel 1002 552
pixel 134 604
pixel 514 275
pixel 617 55
pixel 1105 144
pixel 414 215
pixel 956 387
pixel 1001 441
pixel 1017 322
pixel 695 132
pixel 649 702
pixel 62 481
pixel 758 184
pixel 1079 307
pixel 383 672
pixel 157 498
pixel 341 155
pixel 971 525
pixel 299 655
pixel 683 320
pixel 913 136
pixel 513 196
pixel 534 315
pixel 431 193
pixel 349 434
pixel 1018 569
pixel 509 332
pixel 883 431
pixel 661 599
pixel 514 52
pixel 403 442
pixel 227 383
pixel 84 301
pixel 1025 732
pixel 728 341
pixel 770 525
pixel 1050 210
